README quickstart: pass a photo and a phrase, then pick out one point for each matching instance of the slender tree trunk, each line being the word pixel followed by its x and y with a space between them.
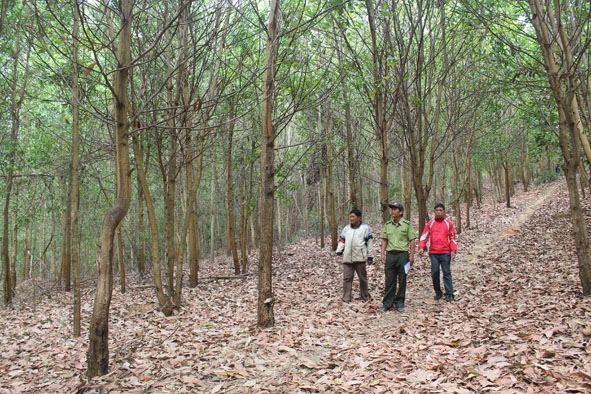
pixel 583 178
pixel 506 170
pixel 212 211
pixel 18 89
pixel 170 178
pixel 457 193
pixel 244 205
pixel 561 73
pixel 66 251
pixel 193 236
pixel 25 268
pixel 351 159
pixel 524 167
pixel 74 177
pixel 406 185
pixel 98 347
pixel 330 189
pixel 165 304
pixel 231 217
pixel 379 111
pixel 194 243
pixel 141 252
pixel 322 193
pixel 469 195
pixel 265 317
pixel 13 259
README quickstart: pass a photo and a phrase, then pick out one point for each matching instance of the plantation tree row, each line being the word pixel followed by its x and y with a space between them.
pixel 146 137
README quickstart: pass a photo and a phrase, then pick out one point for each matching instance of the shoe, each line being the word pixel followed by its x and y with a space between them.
pixel 449 298
pixel 346 302
pixel 400 309
pixel 438 297
pixel 382 310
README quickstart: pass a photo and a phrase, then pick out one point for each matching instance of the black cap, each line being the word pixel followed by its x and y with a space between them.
pixel 396 205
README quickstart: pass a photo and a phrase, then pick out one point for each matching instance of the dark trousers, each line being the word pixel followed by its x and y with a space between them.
pixel 395 278
pixel 349 270
pixel 443 260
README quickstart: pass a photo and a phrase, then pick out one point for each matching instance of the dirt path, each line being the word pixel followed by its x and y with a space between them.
pixel 507 223
pixel 526 204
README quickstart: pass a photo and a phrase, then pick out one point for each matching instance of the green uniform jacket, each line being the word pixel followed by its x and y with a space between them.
pixel 398 235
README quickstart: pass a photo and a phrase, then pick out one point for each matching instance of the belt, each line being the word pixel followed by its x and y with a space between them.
pixel 397 251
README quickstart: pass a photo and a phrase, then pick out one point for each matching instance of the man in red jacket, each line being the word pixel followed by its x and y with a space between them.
pixel 441 233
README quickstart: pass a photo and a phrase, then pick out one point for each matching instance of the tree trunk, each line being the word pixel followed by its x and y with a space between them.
pixel 406 184
pixel 379 111
pixel 457 192
pixel 266 300
pixel 164 301
pixel 194 243
pixel 13 259
pixel 245 207
pixel 352 162
pixel 330 192
pixel 231 217
pixel 75 184
pixel 561 73
pixel 141 251
pixel 190 233
pixel 468 195
pixel 170 174
pixel 212 212
pixel 66 252
pixel 506 170
pixel 98 347
pixel 322 193
pixel 17 92
pixel 26 267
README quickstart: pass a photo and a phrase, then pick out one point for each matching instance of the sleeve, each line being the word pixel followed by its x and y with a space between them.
pixel 425 236
pixel 384 233
pixel 369 242
pixel 341 245
pixel 452 238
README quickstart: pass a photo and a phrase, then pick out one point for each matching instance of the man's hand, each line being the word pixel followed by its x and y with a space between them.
pixel 370 260
pixel 453 256
pixel 421 251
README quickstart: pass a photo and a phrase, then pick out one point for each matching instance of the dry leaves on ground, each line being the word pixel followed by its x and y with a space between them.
pixel 518 325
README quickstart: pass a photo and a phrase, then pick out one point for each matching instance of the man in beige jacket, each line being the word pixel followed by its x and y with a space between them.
pixel 356 247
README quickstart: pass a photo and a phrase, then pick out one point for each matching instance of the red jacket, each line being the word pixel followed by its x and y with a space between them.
pixel 442 235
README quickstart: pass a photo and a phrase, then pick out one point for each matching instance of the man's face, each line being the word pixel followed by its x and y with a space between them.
pixel 396 214
pixel 354 220
pixel 439 213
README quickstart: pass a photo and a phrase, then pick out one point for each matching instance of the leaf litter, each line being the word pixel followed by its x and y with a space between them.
pixel 519 323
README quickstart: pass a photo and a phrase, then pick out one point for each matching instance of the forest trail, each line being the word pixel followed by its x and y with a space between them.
pixel 504 223
pixel 466 260
pixel 518 325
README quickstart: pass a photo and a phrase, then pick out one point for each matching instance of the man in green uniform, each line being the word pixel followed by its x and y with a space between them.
pixel 398 247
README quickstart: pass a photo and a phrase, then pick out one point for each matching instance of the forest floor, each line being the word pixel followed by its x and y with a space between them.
pixel 519 323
